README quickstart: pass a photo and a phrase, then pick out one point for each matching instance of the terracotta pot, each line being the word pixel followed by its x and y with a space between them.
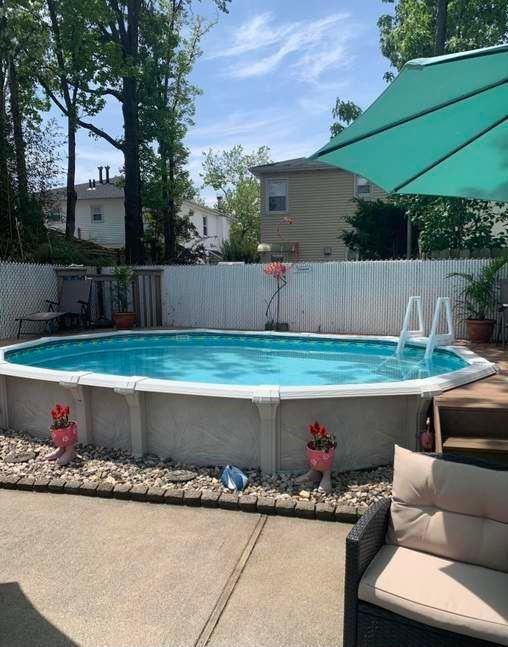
pixel 65 436
pixel 319 460
pixel 479 331
pixel 124 320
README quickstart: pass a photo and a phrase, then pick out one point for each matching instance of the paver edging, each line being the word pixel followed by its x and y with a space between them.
pixel 190 497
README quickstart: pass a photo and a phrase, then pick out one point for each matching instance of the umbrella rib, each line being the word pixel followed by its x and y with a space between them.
pixel 405 120
pixel 449 154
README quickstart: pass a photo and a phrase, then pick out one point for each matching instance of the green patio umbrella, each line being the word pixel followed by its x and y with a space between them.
pixel 441 128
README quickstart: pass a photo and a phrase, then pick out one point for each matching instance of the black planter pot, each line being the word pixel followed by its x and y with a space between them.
pixel 280 327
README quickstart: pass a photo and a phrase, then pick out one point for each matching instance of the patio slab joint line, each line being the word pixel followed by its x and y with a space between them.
pixel 230 585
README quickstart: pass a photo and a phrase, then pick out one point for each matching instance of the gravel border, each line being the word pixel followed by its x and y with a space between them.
pixel 115 474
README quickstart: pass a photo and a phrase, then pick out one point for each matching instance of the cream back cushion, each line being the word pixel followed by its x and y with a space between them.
pixel 453 510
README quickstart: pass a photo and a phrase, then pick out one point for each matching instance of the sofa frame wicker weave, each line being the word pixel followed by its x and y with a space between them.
pixel 367 625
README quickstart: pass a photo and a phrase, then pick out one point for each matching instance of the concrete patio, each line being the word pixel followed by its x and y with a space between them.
pixel 104 573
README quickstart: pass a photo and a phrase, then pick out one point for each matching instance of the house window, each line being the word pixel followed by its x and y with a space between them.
pixel 97 215
pixel 362 187
pixel 277 193
pixel 205 226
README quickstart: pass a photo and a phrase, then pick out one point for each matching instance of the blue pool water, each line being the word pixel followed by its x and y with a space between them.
pixel 239 359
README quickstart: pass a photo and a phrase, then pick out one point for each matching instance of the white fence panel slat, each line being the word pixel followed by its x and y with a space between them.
pixel 24 288
pixel 364 297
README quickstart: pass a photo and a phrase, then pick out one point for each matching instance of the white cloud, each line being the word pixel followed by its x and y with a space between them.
pixel 238 124
pixel 256 33
pixel 310 47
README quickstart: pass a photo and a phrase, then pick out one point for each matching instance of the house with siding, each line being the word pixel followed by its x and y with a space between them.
pixel 100 216
pixel 304 206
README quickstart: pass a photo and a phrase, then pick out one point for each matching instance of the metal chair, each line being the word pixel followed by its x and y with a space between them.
pixel 74 304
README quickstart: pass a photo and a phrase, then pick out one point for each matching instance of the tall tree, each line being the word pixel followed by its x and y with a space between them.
pixel 227 172
pixel 21 108
pixel 114 24
pixel 168 113
pixel 128 34
pixel 68 72
pixel 7 216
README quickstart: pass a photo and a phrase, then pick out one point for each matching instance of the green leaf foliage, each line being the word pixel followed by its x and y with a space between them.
pixel 227 172
pixel 410 31
pixel 477 297
pixel 378 230
pixel 343 114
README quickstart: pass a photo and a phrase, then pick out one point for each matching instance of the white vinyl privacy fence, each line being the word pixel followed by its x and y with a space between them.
pixel 364 297
pixel 24 288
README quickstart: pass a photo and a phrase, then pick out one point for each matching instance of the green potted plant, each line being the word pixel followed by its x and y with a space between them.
pixel 477 299
pixel 123 318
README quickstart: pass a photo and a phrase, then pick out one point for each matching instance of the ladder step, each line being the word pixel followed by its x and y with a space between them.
pixel 479 444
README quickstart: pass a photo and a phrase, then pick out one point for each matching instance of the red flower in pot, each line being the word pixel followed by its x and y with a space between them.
pixel 321 449
pixel 64 434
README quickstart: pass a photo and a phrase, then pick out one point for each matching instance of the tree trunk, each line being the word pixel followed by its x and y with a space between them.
pixel 7 226
pixel 19 146
pixel 440 38
pixel 172 211
pixel 70 215
pixel 166 212
pixel 134 245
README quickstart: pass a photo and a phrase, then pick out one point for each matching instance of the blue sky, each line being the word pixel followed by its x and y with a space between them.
pixel 270 72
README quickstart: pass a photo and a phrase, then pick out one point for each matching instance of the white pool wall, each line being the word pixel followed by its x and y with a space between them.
pixel 209 424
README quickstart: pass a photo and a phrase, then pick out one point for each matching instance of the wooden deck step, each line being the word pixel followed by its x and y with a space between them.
pixel 487 422
pixel 478 444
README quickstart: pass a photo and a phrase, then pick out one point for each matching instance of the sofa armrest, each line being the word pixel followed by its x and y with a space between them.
pixel 362 544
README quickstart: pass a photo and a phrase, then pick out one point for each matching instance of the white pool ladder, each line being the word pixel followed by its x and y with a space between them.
pixel 434 339
pixel 406 333
pixel 442 339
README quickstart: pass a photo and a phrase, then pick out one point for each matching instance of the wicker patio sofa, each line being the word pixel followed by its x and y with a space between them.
pixel 368 624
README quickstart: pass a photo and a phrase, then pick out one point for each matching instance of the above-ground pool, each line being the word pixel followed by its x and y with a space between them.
pixel 249 360
pixel 216 397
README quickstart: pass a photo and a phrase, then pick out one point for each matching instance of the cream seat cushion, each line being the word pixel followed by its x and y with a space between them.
pixel 450 509
pixel 463 598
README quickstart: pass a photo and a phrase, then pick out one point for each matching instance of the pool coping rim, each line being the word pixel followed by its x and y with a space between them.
pixel 477 368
